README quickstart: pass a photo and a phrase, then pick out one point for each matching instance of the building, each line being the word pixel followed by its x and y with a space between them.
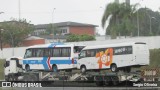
pixel 66 28
pixel 56 38
pixel 33 40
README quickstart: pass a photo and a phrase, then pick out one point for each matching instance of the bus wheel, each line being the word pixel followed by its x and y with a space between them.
pixel 83 68
pixel 27 68
pixel 54 68
pixel 114 68
pixel 10 78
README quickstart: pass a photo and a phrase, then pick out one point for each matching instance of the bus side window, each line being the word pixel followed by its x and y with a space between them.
pixel 66 52
pixel 129 49
pixel 93 53
pixel 47 52
pixel 88 54
pixel 76 50
pixel 39 53
pixel 57 52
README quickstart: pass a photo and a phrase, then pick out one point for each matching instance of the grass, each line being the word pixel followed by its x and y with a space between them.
pixel 155 58
pixel 2 69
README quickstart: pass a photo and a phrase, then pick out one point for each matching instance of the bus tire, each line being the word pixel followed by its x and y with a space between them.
pixel 114 68
pixel 83 69
pixel 27 68
pixel 10 78
pixel 54 68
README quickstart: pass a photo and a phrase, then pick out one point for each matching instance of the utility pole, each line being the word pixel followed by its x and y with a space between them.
pixel 150 20
pixel 138 22
pixel 19 9
pixel 53 21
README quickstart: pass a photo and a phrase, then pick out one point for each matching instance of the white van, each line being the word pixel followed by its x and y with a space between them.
pixel 51 57
pixel 113 56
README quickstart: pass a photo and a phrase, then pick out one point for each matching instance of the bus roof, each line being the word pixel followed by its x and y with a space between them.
pixel 52 45
pixel 112 45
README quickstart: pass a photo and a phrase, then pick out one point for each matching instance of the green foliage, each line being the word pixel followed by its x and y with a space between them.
pixel 145 23
pixel 76 38
pixel 2 69
pixel 16 31
pixel 72 38
pixel 155 58
pixel 121 21
pixel 49 29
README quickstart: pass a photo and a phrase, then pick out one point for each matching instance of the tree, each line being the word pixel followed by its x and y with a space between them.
pixel 120 16
pixel 76 38
pixel 145 22
pixel 52 29
pixel 72 38
pixel 16 30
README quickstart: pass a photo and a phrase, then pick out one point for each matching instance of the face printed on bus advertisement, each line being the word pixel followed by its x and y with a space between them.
pixel 105 58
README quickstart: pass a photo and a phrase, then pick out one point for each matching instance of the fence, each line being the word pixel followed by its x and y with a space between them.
pixel 152 42
pixel 9 52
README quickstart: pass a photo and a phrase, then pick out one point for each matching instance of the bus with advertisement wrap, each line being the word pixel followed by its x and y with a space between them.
pixel 51 57
pixel 114 56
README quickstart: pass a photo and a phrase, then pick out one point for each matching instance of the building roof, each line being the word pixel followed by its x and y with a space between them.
pixel 53 37
pixel 33 38
pixel 63 24
pixel 73 24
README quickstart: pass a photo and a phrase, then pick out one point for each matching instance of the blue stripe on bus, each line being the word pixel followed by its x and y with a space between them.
pixel 54 44
pixel 51 46
pixel 62 62
pixel 51 62
pixel 44 62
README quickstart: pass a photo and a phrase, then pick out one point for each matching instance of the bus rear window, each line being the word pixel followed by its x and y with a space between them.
pixel 140 43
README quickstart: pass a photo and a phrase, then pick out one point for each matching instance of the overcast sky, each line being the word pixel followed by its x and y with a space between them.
pixel 52 11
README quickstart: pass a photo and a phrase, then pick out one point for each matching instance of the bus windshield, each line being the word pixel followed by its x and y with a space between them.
pixel 77 49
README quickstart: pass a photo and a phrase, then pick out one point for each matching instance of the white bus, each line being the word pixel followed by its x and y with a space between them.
pixel 113 56
pixel 51 57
